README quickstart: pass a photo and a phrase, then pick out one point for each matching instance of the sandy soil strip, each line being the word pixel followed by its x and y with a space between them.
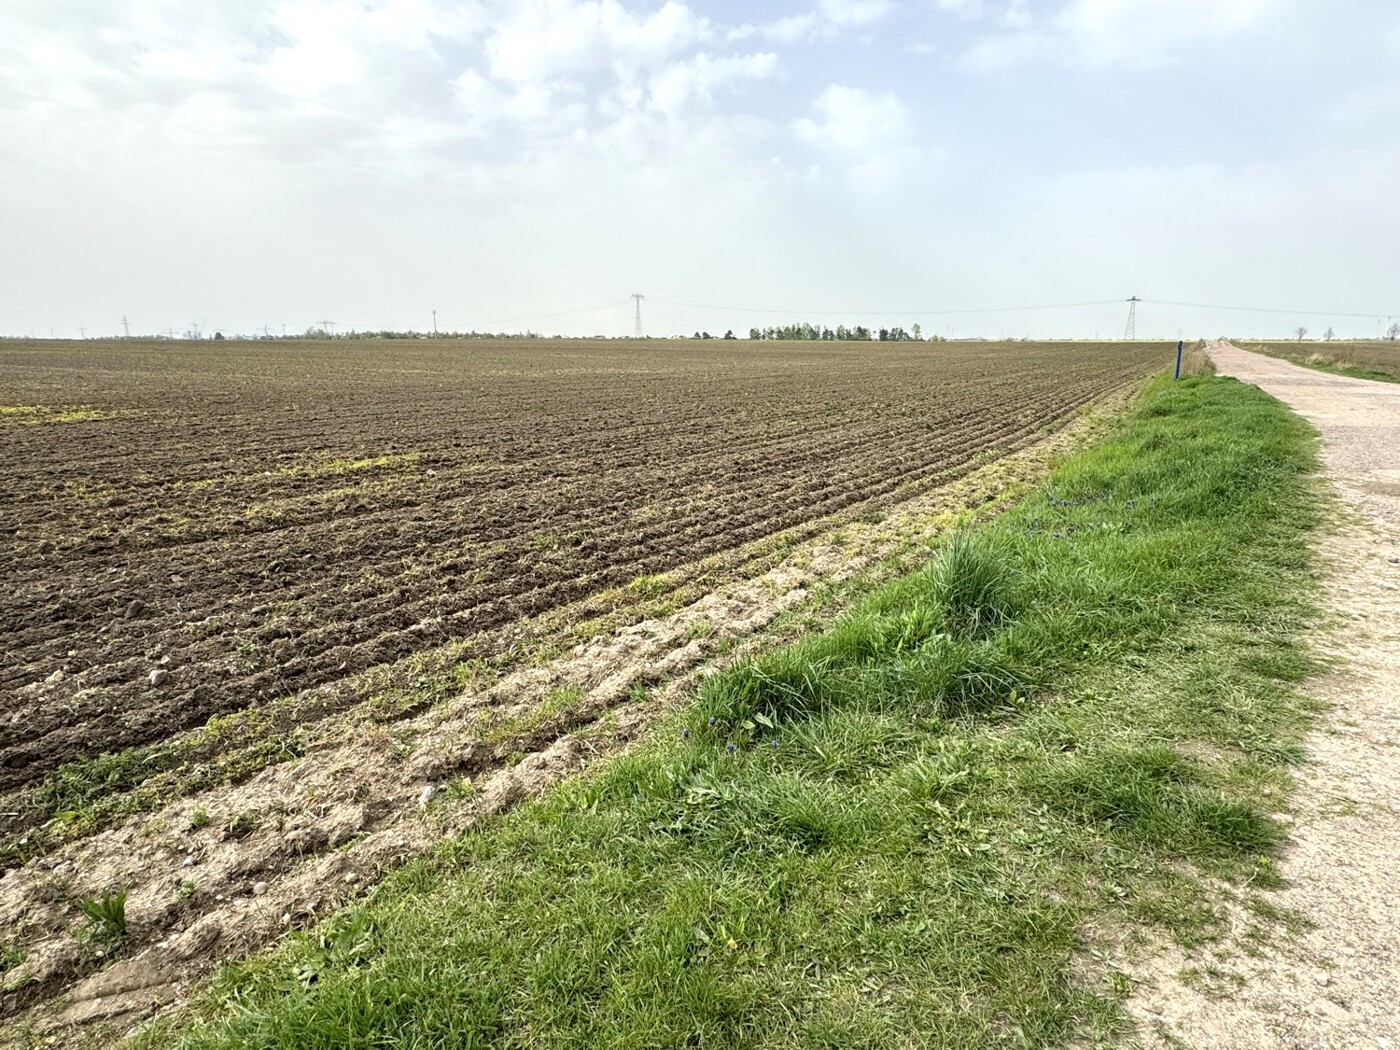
pixel 1338 984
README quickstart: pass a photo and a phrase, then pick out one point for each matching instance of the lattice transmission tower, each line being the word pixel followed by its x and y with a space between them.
pixel 1131 332
pixel 638 329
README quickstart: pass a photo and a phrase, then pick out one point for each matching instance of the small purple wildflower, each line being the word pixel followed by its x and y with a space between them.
pixel 685 734
pixel 712 720
pixel 773 744
pixel 732 748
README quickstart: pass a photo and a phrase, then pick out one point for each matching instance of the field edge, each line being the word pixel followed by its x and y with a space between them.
pixel 1048 717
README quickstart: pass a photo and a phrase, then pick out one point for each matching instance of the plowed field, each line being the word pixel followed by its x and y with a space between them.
pixel 247 520
pixel 277 616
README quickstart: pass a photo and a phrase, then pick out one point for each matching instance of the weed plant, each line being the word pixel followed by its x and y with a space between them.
pixel 106 917
pixel 904 831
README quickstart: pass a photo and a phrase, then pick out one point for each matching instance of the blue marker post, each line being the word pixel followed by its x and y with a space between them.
pixel 1178 360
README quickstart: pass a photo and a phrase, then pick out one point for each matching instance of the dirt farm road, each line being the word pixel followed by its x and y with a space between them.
pixel 1339 984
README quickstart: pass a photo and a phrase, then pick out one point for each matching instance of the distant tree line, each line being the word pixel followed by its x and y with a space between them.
pixel 807 330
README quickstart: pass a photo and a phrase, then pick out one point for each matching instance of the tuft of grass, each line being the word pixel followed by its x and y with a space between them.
pixel 11 958
pixel 323 465
pixel 1153 795
pixel 648 586
pixel 556 706
pixel 243 824
pixel 971 584
pixel 35 415
pixel 903 824
pixel 1196 362
pixel 106 914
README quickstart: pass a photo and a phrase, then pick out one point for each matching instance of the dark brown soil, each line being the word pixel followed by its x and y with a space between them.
pixel 255 519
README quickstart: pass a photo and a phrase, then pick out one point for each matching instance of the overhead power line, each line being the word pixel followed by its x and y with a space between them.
pixel 1265 309
pixel 1012 309
pixel 884 313
pixel 545 317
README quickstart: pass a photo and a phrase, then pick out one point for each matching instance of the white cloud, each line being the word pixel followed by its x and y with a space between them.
pixel 1107 32
pixel 853 12
pixel 853 119
pixel 787 30
pixel 1012 13
pixel 1116 31
pixel 826 20
pixel 462 85
pixel 546 39
pixel 287 80
pixel 409 88
pixel 871 130
pixel 961 8
pixel 683 85
pixel 484 104
pixel 998 51
pixel 1017 15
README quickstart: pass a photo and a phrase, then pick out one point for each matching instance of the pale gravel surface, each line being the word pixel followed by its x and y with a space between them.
pixel 1338 985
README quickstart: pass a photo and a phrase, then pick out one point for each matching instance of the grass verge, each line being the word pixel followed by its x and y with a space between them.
pixel 896 832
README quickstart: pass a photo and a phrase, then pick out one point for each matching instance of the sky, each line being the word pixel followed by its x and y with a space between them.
pixel 530 164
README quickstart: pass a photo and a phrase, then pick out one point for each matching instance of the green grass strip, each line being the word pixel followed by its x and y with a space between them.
pixel 896 833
